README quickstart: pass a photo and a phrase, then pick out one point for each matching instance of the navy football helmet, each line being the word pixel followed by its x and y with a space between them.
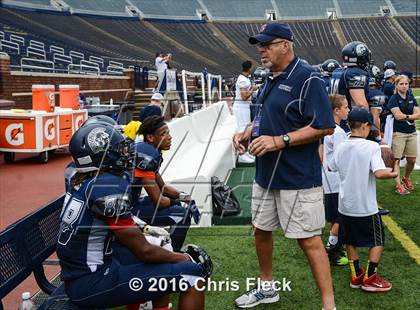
pixel 99 146
pixel 389 64
pixel 356 53
pixel 329 65
pixel 100 118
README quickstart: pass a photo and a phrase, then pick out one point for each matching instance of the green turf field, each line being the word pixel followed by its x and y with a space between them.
pixel 232 250
pixel 234 259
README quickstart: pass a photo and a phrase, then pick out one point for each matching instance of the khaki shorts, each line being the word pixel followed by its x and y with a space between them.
pixel 404 144
pixel 300 213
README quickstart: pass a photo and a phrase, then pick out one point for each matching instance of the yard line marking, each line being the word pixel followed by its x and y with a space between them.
pixel 409 245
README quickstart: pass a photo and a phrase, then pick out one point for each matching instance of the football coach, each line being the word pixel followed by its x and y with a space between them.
pixel 294 115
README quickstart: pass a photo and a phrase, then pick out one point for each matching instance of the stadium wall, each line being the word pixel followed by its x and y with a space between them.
pixel 17 85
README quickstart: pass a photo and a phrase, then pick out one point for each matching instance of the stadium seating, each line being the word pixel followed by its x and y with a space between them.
pixel 408 23
pixel 250 9
pixel 290 9
pixel 110 7
pixel 404 6
pixel 383 39
pixel 360 8
pixel 167 8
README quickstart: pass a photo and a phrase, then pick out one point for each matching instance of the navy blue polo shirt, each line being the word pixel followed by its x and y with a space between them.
pixel 297 98
pixel 406 106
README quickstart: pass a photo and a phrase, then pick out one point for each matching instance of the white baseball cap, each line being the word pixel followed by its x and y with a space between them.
pixel 157 96
pixel 388 73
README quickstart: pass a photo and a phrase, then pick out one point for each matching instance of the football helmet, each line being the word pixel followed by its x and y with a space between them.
pixel 100 118
pixel 356 53
pixel 99 146
pixel 389 64
pixel 199 256
pixel 329 65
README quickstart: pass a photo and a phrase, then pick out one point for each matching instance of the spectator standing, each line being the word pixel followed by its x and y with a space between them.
pixel 405 110
pixel 358 162
pixel 331 180
pixel 242 105
pixel 287 192
pixel 161 64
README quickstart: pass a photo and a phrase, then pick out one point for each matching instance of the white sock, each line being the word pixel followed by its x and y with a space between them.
pixel 267 285
pixel 332 240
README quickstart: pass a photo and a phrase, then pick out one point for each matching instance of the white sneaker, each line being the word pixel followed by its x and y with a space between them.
pixel 255 297
pixel 246 159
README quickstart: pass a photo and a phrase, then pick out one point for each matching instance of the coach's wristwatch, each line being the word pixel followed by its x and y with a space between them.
pixel 407 117
pixel 286 140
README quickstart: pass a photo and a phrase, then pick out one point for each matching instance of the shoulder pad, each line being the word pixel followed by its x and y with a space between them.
pixel 147 158
pixel 112 205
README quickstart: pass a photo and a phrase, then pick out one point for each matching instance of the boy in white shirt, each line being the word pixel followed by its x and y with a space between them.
pixel 358 162
pixel 331 180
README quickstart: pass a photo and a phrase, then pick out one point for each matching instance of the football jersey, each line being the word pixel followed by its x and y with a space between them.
pixel 147 163
pixel 90 214
pixel 376 99
pixel 345 79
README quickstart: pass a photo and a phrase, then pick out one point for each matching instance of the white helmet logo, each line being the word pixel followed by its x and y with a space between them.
pixel 98 140
pixel 361 50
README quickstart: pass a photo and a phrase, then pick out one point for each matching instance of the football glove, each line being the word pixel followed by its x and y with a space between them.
pixel 199 256
pixel 193 209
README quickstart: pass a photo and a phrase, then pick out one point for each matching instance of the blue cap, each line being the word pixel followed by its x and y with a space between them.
pixel 150 110
pixel 270 31
pixel 360 115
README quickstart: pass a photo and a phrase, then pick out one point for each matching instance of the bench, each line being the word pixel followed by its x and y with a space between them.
pixel 24 246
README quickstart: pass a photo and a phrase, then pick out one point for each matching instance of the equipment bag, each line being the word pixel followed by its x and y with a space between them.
pixel 225 202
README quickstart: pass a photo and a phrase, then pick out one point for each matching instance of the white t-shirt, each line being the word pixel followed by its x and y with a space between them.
pixel 242 82
pixel 331 180
pixel 160 64
pixel 356 161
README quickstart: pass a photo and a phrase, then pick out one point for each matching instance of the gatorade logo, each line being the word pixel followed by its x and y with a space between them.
pixel 78 121
pixel 14 134
pixel 49 131
pixel 51 99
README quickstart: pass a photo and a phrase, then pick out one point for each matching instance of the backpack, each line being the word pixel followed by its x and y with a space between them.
pixel 225 202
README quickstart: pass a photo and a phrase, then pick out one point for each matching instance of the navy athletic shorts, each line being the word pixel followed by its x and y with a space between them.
pixel 367 231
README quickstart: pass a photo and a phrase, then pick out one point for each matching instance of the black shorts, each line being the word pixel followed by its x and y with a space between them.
pixel 367 231
pixel 331 208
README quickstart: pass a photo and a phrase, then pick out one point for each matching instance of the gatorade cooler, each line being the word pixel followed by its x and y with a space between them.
pixel 43 98
pixel 69 96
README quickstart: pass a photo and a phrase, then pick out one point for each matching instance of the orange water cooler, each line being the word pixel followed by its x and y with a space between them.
pixel 43 98
pixel 69 96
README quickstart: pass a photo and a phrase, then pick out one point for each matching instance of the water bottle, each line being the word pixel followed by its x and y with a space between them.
pixel 27 303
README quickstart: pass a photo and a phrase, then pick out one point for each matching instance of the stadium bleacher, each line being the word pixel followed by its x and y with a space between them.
pixel 408 23
pixel 314 9
pixel 165 8
pixel 382 38
pixel 196 44
pixel 404 6
pixel 251 9
pixel 110 7
pixel 357 8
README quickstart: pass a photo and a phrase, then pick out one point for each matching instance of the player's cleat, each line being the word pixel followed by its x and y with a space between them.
pixel 357 282
pixel 337 255
pixel 400 189
pixel 246 158
pixel 407 183
pixel 257 296
pixel 375 284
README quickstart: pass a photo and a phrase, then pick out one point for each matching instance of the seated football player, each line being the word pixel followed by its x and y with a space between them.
pixel 164 205
pixel 96 213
